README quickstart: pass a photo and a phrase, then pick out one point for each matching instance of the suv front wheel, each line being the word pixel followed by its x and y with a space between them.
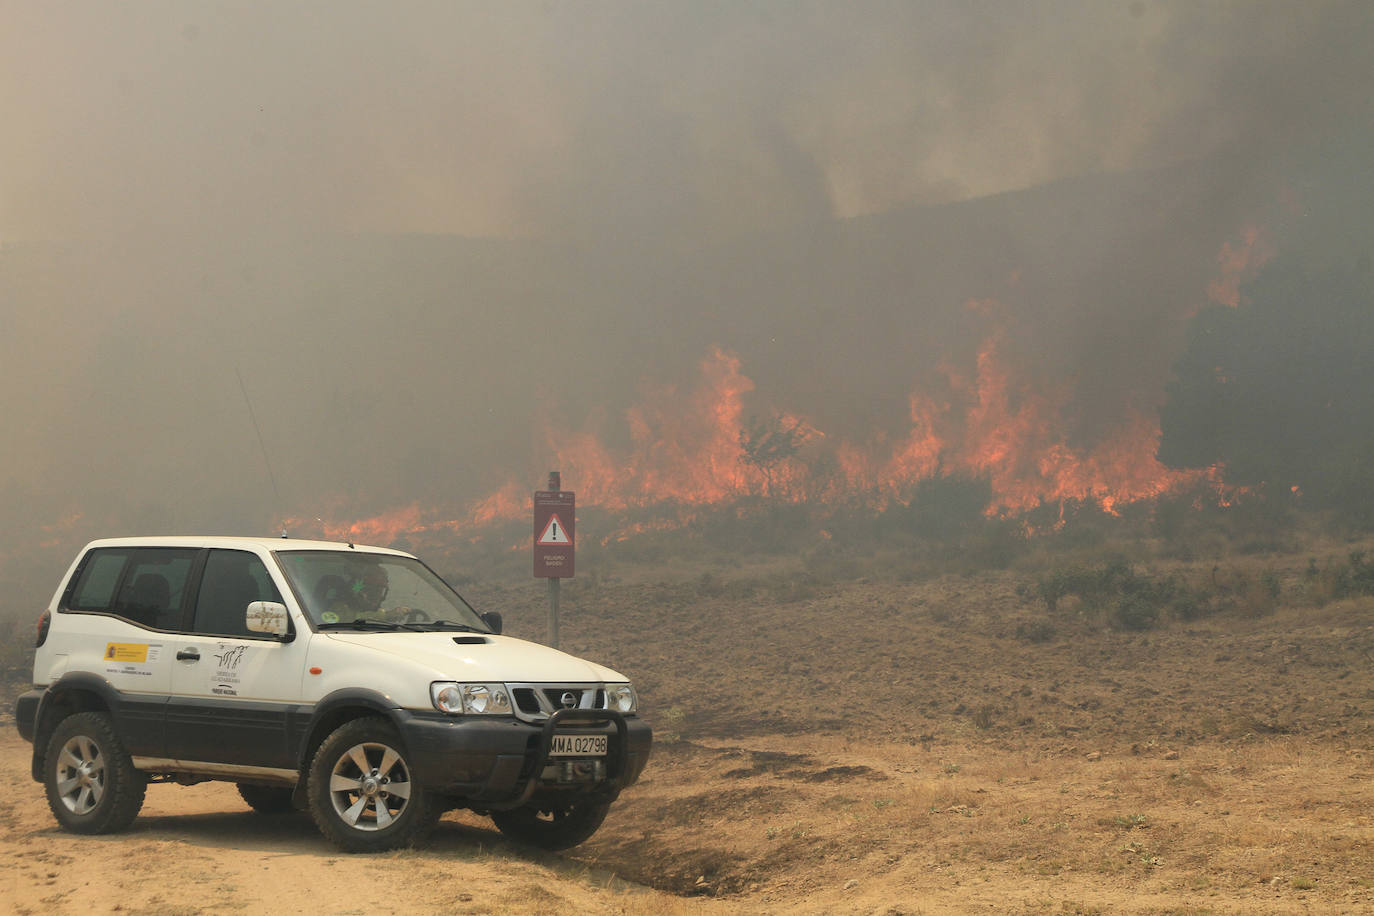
pixel 554 824
pixel 91 783
pixel 363 793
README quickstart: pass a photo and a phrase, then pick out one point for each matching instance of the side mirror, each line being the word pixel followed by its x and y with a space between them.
pixel 493 620
pixel 267 617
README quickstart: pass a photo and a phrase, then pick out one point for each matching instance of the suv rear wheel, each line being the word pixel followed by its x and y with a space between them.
pixel 91 783
pixel 363 793
pixel 267 799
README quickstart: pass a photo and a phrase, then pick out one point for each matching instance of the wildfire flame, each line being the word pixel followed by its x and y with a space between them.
pixel 696 449
pixel 991 423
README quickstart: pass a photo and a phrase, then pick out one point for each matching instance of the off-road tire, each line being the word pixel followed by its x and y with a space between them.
pixel 267 799
pixel 370 809
pixel 553 825
pixel 91 783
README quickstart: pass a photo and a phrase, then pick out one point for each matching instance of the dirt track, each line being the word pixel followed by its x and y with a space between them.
pixel 1220 767
pixel 200 850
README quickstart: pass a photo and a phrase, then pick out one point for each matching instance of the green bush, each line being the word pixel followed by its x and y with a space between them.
pixel 1035 631
pixel 1136 612
pixel 1092 584
pixel 1113 590
pixel 1341 579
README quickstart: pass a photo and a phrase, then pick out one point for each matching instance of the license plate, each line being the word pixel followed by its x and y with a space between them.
pixel 565 745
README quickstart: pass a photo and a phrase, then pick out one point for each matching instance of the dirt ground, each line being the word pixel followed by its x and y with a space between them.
pixel 872 748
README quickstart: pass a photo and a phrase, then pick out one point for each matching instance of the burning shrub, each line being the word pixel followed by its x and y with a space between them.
pixel 943 508
pixel 767 444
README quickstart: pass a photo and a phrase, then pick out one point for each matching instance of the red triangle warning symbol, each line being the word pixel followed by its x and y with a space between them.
pixel 554 533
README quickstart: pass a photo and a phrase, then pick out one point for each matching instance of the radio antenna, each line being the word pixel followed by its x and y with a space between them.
pixel 261 444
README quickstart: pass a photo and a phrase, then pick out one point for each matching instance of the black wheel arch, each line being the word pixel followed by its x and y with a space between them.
pixel 340 707
pixel 68 695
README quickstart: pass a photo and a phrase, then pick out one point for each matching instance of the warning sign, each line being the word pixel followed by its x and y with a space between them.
pixel 555 518
pixel 554 532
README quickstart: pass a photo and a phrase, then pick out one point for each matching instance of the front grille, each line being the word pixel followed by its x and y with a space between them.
pixel 536 702
pixel 526 701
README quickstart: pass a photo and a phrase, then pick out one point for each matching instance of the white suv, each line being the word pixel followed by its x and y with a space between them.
pixel 348 680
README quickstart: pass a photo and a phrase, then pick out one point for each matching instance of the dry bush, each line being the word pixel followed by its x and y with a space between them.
pixel 16 649
pixel 1347 577
pixel 1113 592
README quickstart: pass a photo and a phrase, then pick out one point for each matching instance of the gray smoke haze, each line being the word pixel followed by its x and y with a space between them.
pixel 414 228
pixel 541 119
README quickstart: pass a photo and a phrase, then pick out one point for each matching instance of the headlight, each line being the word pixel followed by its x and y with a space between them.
pixel 470 699
pixel 621 698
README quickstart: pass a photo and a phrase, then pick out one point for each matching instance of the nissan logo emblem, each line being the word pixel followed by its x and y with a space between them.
pixel 568 699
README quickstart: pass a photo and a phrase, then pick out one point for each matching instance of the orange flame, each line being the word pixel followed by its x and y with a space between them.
pixel 691 451
pixel 993 421
pixel 386 528
pixel 683 450
pixel 60 532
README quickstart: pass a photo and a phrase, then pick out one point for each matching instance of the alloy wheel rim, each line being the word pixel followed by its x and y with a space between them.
pixel 369 786
pixel 80 774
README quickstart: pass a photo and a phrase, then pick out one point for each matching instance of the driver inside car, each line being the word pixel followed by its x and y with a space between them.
pixel 354 597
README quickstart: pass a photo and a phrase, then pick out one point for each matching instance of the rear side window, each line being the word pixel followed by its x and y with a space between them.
pixel 146 585
pixel 95 586
pixel 154 585
pixel 233 580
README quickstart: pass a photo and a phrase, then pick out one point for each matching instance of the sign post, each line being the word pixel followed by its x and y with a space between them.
pixel 554 541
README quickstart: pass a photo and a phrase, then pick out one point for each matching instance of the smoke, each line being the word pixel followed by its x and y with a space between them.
pixel 557 119
pixel 417 229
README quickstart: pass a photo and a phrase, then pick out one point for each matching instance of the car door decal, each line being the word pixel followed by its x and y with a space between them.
pixel 131 658
pixel 230 660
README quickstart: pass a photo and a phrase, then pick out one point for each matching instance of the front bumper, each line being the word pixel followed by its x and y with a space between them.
pixel 500 763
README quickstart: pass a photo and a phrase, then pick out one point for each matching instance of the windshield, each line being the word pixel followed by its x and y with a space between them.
pixel 351 589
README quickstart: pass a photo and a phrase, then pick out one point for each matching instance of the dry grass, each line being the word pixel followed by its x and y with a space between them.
pixel 1240 827
pixel 883 745
pixel 1214 765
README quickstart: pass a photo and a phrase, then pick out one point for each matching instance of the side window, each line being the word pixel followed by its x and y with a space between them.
pixel 154 585
pixel 233 580
pixel 95 584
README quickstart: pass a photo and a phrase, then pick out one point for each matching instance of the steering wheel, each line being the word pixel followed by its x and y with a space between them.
pixel 411 614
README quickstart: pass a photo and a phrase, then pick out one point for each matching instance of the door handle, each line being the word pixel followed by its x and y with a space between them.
pixel 188 655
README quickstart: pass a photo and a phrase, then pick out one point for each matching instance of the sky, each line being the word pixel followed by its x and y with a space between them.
pixel 400 235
